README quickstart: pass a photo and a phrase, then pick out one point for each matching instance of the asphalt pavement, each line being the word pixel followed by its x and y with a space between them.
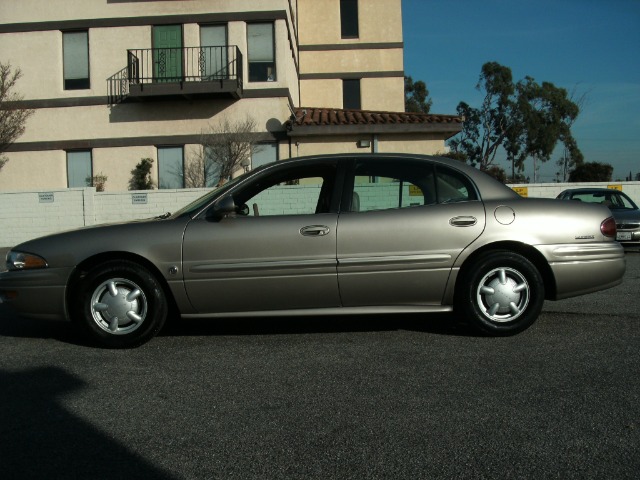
pixel 347 397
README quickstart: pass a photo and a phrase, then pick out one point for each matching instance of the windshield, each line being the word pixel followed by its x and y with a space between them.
pixel 201 202
pixel 612 199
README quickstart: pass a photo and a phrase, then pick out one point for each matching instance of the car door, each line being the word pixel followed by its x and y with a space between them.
pixel 408 222
pixel 278 252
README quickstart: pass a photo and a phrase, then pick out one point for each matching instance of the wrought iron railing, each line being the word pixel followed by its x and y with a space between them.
pixel 176 65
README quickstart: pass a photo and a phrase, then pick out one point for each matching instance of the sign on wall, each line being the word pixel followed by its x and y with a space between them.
pixel 138 198
pixel 46 197
pixel 522 191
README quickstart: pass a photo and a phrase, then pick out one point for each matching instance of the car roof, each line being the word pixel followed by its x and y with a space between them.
pixel 590 189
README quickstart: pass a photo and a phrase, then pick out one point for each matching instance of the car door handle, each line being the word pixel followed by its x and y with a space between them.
pixel 314 231
pixel 463 221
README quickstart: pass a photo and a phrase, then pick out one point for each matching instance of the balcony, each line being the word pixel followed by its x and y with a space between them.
pixel 188 72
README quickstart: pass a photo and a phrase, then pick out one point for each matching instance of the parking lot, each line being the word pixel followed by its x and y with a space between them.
pixel 350 397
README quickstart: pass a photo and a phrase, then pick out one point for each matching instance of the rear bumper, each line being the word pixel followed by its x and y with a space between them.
pixel 586 268
pixel 36 293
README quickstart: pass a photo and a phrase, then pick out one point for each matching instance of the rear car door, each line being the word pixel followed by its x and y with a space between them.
pixel 278 253
pixel 407 223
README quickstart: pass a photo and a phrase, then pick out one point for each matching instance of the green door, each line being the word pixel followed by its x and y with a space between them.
pixel 167 53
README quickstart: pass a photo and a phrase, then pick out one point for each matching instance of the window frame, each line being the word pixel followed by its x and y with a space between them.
pixel 76 83
pixel 349 19
pixel 84 181
pixel 273 46
pixel 276 146
pixel 168 147
pixel 225 54
pixel 348 94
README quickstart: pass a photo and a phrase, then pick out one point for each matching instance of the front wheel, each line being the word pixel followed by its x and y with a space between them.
pixel 120 304
pixel 501 293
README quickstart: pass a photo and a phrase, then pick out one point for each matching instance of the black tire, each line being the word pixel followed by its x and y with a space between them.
pixel 120 304
pixel 501 293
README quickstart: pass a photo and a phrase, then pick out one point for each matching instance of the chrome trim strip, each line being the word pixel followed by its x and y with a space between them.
pixel 395 259
pixel 587 250
pixel 302 312
pixel 242 266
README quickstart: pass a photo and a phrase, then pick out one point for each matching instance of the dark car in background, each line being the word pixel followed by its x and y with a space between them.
pixel 624 210
pixel 339 234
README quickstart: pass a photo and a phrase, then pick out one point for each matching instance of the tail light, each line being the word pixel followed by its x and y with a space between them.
pixel 608 227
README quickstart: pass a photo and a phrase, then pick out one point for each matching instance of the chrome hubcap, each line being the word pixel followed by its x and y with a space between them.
pixel 118 306
pixel 503 294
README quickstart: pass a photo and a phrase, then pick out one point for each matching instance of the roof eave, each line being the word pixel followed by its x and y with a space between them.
pixel 448 129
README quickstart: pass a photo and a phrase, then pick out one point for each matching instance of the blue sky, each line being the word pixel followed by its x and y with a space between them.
pixel 591 47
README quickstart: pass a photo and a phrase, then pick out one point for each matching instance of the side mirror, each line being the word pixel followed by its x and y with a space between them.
pixel 223 207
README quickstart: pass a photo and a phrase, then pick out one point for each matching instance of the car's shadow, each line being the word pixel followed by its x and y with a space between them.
pixel 437 324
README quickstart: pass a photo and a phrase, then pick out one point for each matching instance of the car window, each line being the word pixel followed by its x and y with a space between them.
pixel 404 184
pixel 611 199
pixel 392 184
pixel 453 186
pixel 294 192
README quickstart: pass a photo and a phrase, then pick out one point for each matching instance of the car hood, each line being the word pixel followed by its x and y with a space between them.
pixel 150 238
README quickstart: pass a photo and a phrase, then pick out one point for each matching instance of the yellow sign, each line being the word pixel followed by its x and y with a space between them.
pixel 522 191
pixel 414 191
pixel 617 186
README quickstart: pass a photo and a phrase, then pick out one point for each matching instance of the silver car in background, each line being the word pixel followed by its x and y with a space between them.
pixel 625 212
pixel 339 234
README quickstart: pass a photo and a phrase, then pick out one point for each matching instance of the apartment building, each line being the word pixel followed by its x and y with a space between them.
pixel 115 81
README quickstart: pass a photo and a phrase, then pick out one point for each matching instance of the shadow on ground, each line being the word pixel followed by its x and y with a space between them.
pixel 439 324
pixel 40 438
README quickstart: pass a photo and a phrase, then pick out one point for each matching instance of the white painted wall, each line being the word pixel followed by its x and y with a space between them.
pixel 27 215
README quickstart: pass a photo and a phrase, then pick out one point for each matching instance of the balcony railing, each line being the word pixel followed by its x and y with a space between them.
pixel 186 72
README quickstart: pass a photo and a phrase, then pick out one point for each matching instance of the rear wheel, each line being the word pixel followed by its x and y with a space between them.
pixel 120 304
pixel 501 293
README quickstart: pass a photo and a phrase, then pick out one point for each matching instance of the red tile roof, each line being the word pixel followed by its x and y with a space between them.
pixel 311 116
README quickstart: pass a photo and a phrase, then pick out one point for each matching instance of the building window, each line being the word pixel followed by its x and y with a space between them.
pixel 213 56
pixel 170 167
pixel 75 53
pixel 351 94
pixel 79 170
pixel 261 52
pixel 264 153
pixel 349 18
pixel 211 173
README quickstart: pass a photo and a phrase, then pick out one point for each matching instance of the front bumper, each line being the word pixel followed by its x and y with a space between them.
pixel 36 293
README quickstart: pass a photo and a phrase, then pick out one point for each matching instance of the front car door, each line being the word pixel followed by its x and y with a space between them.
pixel 408 222
pixel 278 253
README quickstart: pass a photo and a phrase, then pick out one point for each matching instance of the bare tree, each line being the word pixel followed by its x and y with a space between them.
pixel 12 117
pixel 199 172
pixel 225 148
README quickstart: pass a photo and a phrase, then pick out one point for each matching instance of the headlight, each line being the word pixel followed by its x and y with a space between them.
pixel 24 261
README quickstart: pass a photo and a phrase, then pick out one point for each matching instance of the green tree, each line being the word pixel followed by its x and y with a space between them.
pixel 12 117
pixel 416 96
pixel 591 172
pixel 525 119
pixel 485 129
pixel 546 114
pixel 141 175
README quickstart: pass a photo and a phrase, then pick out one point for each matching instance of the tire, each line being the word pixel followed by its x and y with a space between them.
pixel 120 304
pixel 501 293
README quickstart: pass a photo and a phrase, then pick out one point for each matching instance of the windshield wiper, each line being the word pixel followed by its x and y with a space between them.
pixel 164 215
